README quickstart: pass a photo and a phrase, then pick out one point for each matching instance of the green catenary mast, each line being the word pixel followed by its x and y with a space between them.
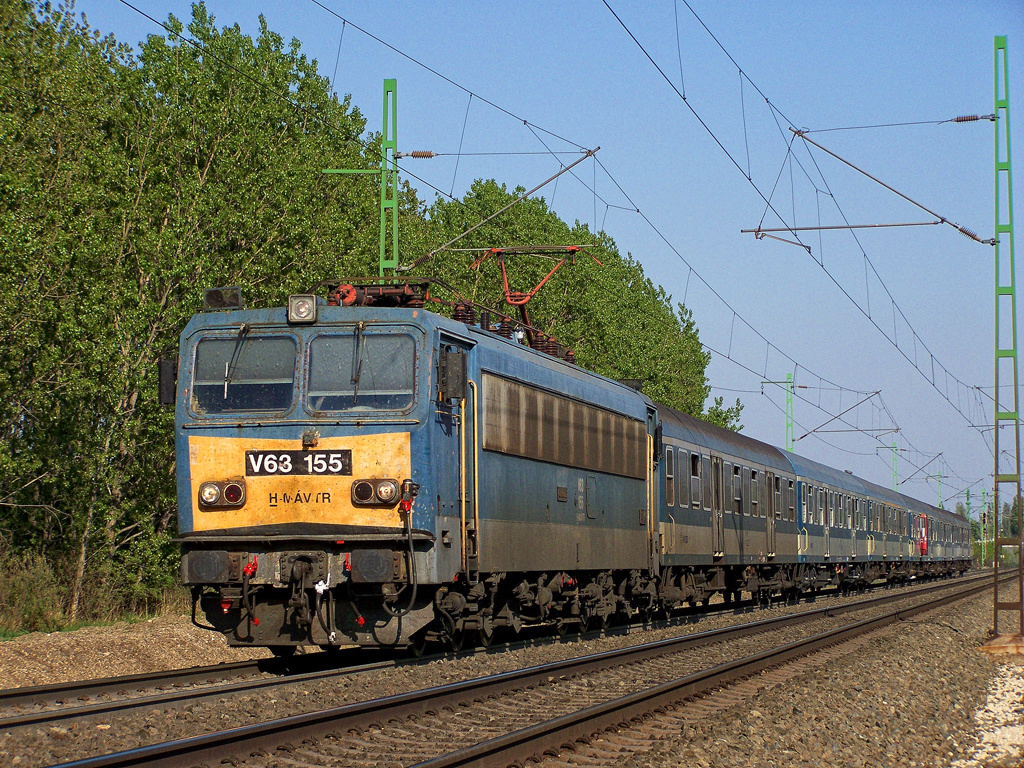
pixel 388 180
pixel 1005 343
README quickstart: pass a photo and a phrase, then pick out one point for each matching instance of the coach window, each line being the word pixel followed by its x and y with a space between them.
pixel 754 498
pixel 670 477
pixel 778 498
pixel 682 463
pixel 695 479
pixel 737 491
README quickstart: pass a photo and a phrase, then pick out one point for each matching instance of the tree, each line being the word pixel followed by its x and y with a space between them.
pixel 128 184
pixel 188 168
pixel 615 319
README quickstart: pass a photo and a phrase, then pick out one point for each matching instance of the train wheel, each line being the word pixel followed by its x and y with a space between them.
pixel 485 633
pixel 283 651
pixel 457 641
pixel 418 644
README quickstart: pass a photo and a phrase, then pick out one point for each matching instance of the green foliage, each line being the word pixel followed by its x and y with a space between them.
pixel 130 183
pixel 603 307
pixel 125 188
pixel 30 595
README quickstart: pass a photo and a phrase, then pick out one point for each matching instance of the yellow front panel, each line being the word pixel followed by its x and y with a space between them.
pixel 279 499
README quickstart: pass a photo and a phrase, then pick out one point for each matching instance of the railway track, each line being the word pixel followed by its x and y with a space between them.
pixel 52 704
pixel 566 702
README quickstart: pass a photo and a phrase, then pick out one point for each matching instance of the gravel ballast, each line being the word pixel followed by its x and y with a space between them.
pixel 955 633
pixel 167 642
pixel 922 695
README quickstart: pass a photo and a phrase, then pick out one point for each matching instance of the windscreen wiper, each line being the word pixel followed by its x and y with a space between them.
pixel 357 361
pixel 232 362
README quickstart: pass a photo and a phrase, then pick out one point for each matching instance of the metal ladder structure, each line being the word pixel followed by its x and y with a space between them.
pixel 1006 469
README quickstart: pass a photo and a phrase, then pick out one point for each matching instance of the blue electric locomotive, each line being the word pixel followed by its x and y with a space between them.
pixel 360 470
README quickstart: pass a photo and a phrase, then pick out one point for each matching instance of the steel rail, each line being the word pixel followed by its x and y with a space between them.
pixel 266 737
pixel 48 695
pixel 554 735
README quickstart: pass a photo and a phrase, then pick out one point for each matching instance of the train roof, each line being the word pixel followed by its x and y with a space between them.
pixel 725 441
pixel 822 473
pixel 888 495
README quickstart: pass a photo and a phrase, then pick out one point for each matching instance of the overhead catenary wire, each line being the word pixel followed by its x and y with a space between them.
pixel 423 259
pixel 312 114
pixel 412 175
pixel 768 201
pixel 324 123
pixel 961 229
pixel 337 60
pixel 448 80
pixel 958 119
pixel 608 205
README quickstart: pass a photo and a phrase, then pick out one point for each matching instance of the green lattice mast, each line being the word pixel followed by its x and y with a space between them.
pixel 1005 344
pixel 789 412
pixel 388 179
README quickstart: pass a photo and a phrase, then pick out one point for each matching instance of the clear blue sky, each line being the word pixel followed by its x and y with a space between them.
pixel 571 69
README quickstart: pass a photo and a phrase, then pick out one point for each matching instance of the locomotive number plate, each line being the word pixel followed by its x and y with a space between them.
pixel 267 463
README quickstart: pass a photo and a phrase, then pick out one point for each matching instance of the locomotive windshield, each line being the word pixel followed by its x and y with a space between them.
pixel 244 374
pixel 361 372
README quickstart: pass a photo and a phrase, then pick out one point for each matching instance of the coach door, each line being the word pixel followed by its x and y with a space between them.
pixel 650 515
pixel 769 519
pixel 717 511
pixel 829 516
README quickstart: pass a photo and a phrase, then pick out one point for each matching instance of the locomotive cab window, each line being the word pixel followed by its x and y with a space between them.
pixel 361 372
pixel 243 373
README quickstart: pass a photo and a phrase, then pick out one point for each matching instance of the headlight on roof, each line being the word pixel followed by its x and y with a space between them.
pixel 302 308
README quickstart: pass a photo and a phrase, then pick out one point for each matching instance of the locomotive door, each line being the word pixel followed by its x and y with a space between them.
pixel 769 519
pixel 717 511
pixel 453 464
